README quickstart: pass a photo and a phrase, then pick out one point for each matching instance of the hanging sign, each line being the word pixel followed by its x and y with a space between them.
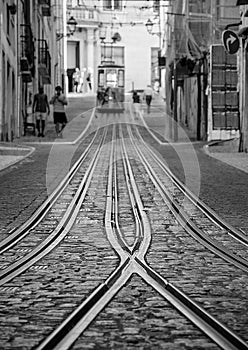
pixel 230 41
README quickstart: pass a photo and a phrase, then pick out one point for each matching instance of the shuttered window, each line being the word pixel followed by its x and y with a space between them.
pixel 112 5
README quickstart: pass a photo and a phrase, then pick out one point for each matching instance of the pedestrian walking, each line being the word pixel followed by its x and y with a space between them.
pixel 59 101
pixel 81 82
pixel 148 93
pixel 88 79
pixel 136 102
pixel 76 80
pixel 41 109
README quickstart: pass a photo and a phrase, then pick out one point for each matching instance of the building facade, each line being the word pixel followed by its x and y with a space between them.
pixel 191 29
pixel 26 49
pixel 243 74
pixel 136 49
pixel 8 70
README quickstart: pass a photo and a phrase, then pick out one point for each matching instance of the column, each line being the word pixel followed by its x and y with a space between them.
pixel 90 56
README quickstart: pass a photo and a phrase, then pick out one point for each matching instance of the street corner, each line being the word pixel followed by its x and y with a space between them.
pixel 12 154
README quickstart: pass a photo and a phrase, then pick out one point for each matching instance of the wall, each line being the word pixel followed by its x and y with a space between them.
pixel 7 74
pixel 137 43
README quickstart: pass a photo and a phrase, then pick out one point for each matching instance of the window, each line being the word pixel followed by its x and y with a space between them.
pixel 112 54
pixel 156 4
pixel 111 77
pixel 121 77
pixel 112 4
pixel 101 78
pixel 154 64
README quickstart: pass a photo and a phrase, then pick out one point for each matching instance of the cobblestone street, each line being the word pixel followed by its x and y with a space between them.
pixel 136 318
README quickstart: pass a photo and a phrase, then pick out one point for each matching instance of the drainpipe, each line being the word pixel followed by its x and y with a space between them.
pixel 17 77
pixel 1 77
pixel 175 103
pixel 65 49
pixel 199 92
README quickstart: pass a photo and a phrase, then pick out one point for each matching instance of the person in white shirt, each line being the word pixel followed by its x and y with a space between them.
pixel 76 79
pixel 59 101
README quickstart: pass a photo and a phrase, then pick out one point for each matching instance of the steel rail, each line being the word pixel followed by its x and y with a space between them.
pixel 39 214
pixel 109 220
pixel 144 223
pixel 185 220
pixel 73 326
pixel 132 197
pixel 67 333
pixel 208 324
pixel 115 209
pixel 61 230
pixel 232 231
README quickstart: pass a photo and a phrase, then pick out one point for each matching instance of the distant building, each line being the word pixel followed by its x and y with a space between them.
pixel 136 49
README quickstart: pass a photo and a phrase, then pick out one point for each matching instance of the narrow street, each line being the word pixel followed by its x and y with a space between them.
pixel 105 248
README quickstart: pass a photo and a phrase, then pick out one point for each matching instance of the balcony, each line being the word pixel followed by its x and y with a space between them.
pixel 45 7
pixel 44 62
pixel 84 16
pixel 26 52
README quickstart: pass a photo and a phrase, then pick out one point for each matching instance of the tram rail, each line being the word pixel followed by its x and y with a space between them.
pixel 132 260
pixel 16 235
pixel 131 253
pixel 200 212
pixel 64 225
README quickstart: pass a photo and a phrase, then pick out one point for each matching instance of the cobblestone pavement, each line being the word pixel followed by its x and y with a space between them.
pixel 223 175
pixel 25 185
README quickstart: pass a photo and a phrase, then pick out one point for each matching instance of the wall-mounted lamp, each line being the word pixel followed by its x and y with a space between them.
pixel 102 32
pixel 103 35
pixel 116 37
pixel 149 26
pixel 72 24
pixel 12 9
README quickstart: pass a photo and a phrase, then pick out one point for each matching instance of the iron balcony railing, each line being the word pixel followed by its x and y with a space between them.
pixel 81 15
pixel 44 61
pixel 27 50
pixel 45 7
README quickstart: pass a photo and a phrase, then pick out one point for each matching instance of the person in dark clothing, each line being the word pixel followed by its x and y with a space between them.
pixel 148 94
pixel 88 79
pixel 41 109
pixel 136 102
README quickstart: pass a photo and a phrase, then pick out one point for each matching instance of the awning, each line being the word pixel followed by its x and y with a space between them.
pixel 242 2
pixel 243 32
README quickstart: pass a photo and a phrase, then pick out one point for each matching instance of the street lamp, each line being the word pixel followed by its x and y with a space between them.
pixel 72 24
pixel 149 26
pixel 102 33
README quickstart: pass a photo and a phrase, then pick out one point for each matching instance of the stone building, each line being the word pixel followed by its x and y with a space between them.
pixel 193 31
pixel 136 49
pixel 8 70
pixel 27 47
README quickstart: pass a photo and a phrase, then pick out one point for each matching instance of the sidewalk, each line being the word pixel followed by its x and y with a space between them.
pixel 79 114
pixel 81 122
pixel 163 125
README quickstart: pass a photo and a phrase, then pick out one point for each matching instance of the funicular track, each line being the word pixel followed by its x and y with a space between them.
pixel 190 211
pixel 132 261
pixel 132 256
pixel 60 229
